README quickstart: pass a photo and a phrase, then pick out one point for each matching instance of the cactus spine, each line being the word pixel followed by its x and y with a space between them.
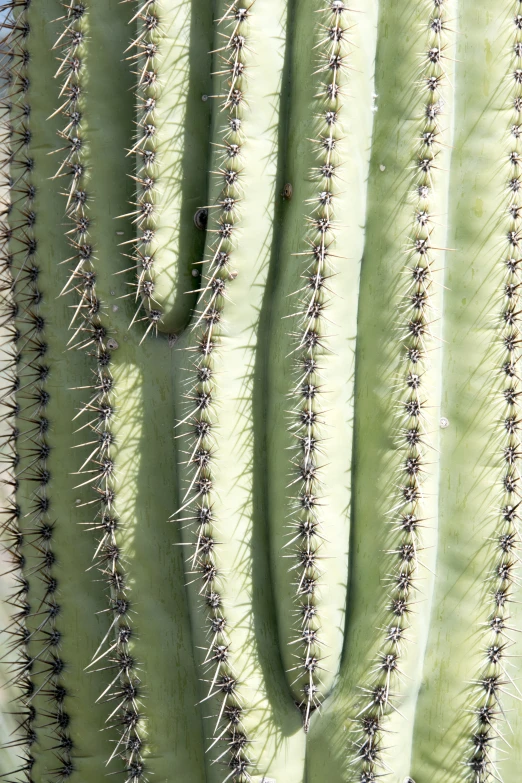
pixel 260 282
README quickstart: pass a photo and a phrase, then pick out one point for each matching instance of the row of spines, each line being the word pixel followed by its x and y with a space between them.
pixel 199 437
pixel 144 55
pixel 309 348
pixel 34 634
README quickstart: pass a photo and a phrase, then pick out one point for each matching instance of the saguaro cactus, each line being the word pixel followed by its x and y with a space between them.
pixel 260 289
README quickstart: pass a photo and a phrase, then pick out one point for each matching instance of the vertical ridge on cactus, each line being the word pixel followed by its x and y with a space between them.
pixel 45 494
pixel 260 387
pixel 40 671
pixel 483 692
pixel 499 629
pixel 493 678
pixel 395 475
pixel 214 433
pixel 415 400
pixel 170 145
pixel 310 338
pixel 90 333
pixel 223 680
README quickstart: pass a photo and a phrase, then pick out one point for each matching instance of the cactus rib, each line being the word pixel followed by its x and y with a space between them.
pixel 416 316
pixel 35 629
pixel 171 151
pixel 198 499
pixel 473 467
pixel 98 469
pixel 310 343
pixel 145 209
pixel 494 677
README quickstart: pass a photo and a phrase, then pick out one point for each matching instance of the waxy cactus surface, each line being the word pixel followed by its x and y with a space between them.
pixel 261 272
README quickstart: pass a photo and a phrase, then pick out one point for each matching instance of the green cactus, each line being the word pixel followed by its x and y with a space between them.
pixel 260 390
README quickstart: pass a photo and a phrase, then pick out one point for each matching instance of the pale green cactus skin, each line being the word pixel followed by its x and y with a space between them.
pixel 260 289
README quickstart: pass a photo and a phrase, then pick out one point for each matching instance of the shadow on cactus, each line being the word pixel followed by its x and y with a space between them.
pixel 260 390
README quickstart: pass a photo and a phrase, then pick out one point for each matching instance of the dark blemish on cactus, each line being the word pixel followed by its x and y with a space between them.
pixel 201 218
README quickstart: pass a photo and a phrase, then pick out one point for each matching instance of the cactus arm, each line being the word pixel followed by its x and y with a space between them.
pixel 271 727
pixel 338 177
pixel 474 509
pixel 170 61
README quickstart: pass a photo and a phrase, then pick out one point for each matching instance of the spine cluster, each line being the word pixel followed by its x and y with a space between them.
pixel 90 334
pixel 202 442
pixel 34 633
pixel 310 341
pixel 415 315
pixel 493 678
pixel 144 214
